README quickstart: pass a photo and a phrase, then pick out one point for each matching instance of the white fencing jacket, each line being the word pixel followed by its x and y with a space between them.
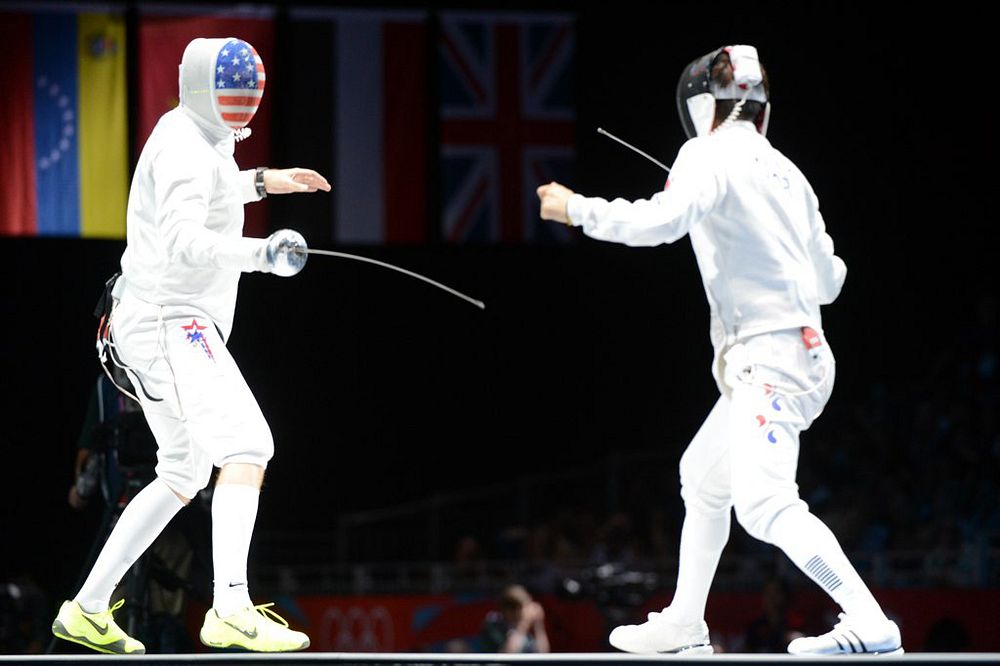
pixel 185 220
pixel 765 258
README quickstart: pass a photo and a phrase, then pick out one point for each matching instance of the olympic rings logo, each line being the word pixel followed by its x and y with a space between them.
pixel 357 630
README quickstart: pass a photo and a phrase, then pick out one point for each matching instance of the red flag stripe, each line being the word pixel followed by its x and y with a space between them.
pixel 237 117
pixel 403 126
pixel 238 109
pixel 242 100
pixel 18 198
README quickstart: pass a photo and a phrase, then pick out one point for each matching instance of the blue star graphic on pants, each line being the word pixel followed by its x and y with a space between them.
pixel 195 335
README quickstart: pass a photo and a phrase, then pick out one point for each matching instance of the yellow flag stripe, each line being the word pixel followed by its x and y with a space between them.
pixel 103 125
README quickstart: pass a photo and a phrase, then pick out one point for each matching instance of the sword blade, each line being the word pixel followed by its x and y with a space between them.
pixel 631 147
pixel 368 260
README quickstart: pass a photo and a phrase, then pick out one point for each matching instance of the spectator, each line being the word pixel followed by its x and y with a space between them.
pixel 518 626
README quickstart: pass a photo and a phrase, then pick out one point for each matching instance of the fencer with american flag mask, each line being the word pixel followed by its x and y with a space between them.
pixel 170 314
pixel 767 265
pixel 238 75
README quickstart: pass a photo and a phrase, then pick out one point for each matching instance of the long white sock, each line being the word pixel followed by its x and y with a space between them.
pixel 139 525
pixel 703 537
pixel 234 511
pixel 810 544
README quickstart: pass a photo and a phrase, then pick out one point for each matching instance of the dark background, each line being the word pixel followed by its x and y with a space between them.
pixel 381 390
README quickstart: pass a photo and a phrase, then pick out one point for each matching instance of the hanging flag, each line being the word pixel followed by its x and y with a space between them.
pixel 371 109
pixel 63 126
pixel 507 114
pixel 18 206
pixel 163 35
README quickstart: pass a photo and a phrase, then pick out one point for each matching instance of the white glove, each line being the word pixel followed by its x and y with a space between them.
pixel 285 253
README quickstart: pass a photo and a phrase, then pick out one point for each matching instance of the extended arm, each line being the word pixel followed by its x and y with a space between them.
pixel 281 181
pixel 182 194
pixel 691 193
pixel 284 181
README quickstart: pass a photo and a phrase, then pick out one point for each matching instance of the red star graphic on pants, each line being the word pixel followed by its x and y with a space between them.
pixel 194 326
pixel 195 335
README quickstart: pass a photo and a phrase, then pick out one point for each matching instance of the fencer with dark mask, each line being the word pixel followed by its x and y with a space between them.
pixel 767 265
pixel 173 310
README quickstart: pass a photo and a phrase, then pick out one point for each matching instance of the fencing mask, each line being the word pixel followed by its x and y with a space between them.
pixel 697 92
pixel 222 82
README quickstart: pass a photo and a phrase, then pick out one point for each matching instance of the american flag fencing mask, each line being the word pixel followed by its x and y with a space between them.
pixel 222 80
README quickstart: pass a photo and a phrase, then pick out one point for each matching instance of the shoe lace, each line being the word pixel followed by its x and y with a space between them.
pixel 265 610
pixel 110 611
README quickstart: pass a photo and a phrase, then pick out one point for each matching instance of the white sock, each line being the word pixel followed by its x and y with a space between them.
pixel 234 511
pixel 703 537
pixel 810 544
pixel 139 525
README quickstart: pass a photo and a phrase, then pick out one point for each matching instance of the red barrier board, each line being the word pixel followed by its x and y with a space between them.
pixel 451 623
pixel 439 623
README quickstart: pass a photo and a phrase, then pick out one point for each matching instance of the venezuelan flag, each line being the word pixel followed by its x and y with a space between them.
pixel 64 131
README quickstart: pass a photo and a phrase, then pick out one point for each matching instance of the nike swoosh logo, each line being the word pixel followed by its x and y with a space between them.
pixel 101 630
pixel 248 634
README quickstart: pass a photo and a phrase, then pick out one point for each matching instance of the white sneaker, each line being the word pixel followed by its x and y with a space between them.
pixel 850 636
pixel 658 634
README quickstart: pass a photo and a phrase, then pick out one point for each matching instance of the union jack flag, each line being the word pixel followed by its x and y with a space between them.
pixel 507 116
pixel 239 82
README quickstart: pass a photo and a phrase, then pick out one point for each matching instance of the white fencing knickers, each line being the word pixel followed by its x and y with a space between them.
pixel 745 455
pixel 194 397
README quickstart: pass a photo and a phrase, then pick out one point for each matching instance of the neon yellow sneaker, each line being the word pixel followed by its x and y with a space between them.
pixel 252 629
pixel 97 631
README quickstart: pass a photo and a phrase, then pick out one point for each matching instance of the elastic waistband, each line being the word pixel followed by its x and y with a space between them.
pixel 124 291
pixel 794 330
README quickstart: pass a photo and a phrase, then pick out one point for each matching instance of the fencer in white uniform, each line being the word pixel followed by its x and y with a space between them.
pixel 767 265
pixel 173 314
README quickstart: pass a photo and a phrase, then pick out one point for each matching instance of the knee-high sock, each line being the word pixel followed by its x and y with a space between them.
pixel 810 544
pixel 703 536
pixel 139 525
pixel 234 511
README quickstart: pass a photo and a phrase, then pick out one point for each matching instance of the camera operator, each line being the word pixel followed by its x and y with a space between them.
pixel 114 434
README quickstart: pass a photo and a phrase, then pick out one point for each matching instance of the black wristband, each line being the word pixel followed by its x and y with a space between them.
pixel 258 181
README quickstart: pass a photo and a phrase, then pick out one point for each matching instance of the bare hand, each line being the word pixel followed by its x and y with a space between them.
pixel 76 502
pixel 82 456
pixel 534 613
pixel 283 181
pixel 554 199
